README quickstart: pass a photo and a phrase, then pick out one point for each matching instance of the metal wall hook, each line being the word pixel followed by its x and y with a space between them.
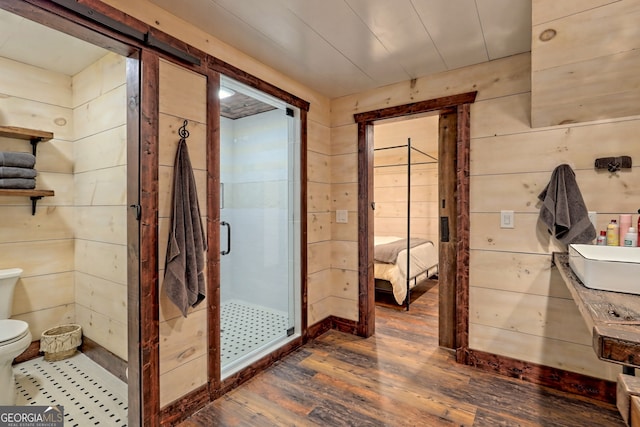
pixel 183 132
pixel 613 167
pixel 613 164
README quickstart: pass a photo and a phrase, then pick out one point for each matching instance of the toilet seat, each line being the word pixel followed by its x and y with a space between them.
pixel 12 330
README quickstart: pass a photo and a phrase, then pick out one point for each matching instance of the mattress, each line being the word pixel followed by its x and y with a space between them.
pixel 423 261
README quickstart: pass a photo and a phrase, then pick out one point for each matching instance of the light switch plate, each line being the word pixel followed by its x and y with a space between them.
pixel 506 219
pixel 342 216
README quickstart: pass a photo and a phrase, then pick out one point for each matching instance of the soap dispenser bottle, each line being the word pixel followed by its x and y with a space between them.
pixel 625 223
pixel 631 238
pixel 613 238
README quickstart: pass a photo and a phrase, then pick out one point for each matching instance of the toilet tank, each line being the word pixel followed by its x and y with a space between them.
pixel 8 279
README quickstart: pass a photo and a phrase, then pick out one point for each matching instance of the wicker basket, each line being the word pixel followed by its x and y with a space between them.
pixel 60 342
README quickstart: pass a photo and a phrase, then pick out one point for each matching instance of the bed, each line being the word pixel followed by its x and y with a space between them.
pixel 392 276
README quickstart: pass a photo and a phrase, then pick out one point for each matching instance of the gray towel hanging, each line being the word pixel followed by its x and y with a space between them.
pixel 184 280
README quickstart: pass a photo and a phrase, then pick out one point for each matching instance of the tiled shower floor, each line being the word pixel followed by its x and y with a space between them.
pixel 245 328
pixel 90 395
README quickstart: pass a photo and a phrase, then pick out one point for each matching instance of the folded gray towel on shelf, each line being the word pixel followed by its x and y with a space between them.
pixel 18 183
pixel 19 160
pixel 13 172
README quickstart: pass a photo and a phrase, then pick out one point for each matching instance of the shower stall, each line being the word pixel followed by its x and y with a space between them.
pixel 260 224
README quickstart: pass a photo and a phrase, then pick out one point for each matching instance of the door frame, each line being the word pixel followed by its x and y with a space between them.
pixel 454 143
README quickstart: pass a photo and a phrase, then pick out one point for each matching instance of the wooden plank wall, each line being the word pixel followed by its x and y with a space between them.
pixel 390 183
pixel 73 250
pixel 519 306
pixel 323 282
pixel 100 185
pixel 183 341
pixel 41 245
pixel 585 59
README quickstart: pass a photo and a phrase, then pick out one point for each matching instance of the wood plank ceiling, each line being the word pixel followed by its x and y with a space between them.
pixel 340 47
pixel 337 47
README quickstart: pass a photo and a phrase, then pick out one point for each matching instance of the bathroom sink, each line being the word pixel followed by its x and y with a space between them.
pixel 607 268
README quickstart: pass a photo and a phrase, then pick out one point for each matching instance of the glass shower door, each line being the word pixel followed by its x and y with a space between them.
pixel 259 217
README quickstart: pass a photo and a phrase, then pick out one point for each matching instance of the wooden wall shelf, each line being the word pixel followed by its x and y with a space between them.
pixel 34 137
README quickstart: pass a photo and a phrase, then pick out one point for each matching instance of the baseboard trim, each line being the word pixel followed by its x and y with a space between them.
pixel 31 352
pixel 104 358
pixel 332 322
pixel 558 379
pixel 185 406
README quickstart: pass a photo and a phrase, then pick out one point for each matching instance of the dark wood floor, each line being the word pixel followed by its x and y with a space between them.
pixel 399 377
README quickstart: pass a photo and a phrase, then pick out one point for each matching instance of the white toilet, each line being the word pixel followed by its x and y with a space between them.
pixel 14 336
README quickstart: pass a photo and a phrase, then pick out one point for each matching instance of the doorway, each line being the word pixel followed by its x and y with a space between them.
pixel 78 247
pixel 260 218
pixel 453 149
pixel 406 209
